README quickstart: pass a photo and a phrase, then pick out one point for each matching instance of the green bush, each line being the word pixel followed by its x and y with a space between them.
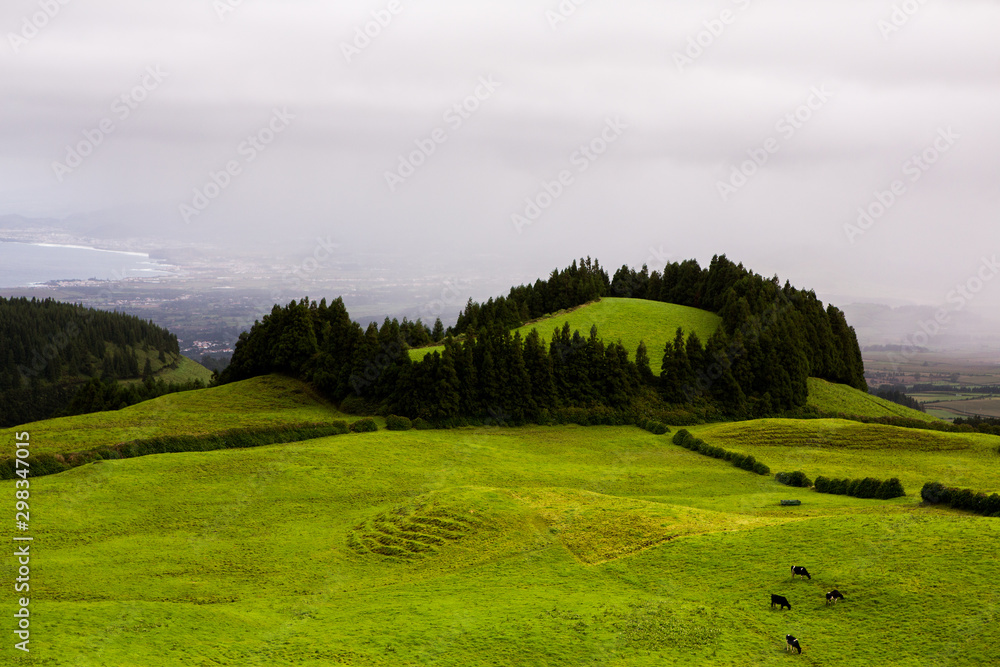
pixel 45 464
pixel 396 423
pixel 366 425
pixel 761 469
pixel 681 437
pixel 891 488
pixel 422 424
pixel 992 505
pixel 655 427
pixel 934 493
pixel 797 479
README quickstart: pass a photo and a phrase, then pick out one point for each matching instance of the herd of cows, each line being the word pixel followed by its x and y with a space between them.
pixel 834 596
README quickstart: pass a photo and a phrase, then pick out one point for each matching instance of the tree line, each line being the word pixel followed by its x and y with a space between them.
pixel 51 349
pixel 772 338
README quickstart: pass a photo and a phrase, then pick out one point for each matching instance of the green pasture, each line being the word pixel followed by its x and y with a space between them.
pixel 257 403
pixel 848 449
pixel 602 546
pixel 841 398
pixel 627 320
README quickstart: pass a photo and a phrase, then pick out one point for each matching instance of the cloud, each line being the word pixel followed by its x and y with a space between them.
pixel 689 127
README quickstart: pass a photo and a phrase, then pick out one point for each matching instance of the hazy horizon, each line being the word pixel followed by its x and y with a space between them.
pixel 295 121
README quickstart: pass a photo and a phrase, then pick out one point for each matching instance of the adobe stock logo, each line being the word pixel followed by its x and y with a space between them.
pixel 455 116
pixel 32 25
pixel 914 168
pixel 249 150
pixel 366 34
pixel 121 108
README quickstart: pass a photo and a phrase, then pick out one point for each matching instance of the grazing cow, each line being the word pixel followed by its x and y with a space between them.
pixel 801 571
pixel 780 601
pixel 792 643
pixel 833 597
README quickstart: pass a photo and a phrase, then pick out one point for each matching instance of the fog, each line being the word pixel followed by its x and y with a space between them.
pixel 517 135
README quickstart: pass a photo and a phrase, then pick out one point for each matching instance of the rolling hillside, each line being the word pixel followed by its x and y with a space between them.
pixel 260 402
pixel 842 448
pixel 476 547
pixel 839 398
pixel 628 320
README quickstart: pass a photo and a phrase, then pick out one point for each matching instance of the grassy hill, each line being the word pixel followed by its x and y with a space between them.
pixel 627 320
pixel 177 369
pixel 261 402
pixel 474 547
pixel 839 398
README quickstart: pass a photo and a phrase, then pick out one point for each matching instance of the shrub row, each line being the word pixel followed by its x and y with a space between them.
pixel 50 464
pixel 869 487
pixel 746 462
pixel 961 499
pixel 597 416
pixel 797 478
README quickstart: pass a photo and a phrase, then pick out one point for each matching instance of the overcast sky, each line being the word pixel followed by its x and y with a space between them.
pixel 126 108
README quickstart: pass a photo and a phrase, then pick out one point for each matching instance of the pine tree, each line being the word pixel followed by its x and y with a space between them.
pixel 642 364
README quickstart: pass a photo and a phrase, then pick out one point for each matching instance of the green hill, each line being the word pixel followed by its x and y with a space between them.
pixel 50 350
pixel 840 398
pixel 257 403
pixel 532 546
pixel 627 320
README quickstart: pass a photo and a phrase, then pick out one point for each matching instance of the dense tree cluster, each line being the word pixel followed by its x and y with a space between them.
pixel 896 393
pixel 757 363
pixel 574 286
pixel 49 349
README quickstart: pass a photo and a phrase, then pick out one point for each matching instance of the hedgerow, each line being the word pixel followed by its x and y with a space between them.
pixel 797 478
pixel 744 462
pixel 869 487
pixel 935 493
pixel 50 464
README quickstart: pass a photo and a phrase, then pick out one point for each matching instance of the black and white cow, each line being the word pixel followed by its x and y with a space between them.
pixel 792 643
pixel 801 571
pixel 833 597
pixel 782 602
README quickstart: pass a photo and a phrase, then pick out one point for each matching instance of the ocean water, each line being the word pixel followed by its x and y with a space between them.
pixel 25 264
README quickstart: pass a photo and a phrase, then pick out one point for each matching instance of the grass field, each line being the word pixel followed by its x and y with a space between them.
pixel 627 320
pixel 840 398
pixel 260 402
pixel 842 448
pixel 533 546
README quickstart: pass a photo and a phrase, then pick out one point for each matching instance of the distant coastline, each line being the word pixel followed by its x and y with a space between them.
pixel 38 264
